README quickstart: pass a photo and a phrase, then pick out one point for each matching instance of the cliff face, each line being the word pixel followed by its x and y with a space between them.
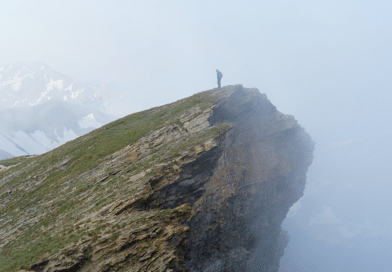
pixel 260 173
pixel 202 184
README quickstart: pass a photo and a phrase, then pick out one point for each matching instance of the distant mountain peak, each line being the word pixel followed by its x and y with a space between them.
pixel 24 84
pixel 40 128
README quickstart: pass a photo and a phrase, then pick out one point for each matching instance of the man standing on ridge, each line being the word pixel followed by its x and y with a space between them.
pixel 219 75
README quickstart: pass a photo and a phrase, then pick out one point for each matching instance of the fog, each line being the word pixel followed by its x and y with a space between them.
pixel 328 63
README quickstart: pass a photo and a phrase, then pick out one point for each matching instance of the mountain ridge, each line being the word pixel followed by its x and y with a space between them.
pixel 24 84
pixel 201 184
pixel 32 97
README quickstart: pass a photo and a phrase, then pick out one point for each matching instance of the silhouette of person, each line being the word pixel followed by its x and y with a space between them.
pixel 219 75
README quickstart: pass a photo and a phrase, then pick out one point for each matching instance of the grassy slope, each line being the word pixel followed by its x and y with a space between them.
pixel 84 153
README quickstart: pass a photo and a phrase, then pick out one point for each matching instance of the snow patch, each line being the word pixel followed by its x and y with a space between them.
pixel 43 94
pixel 42 67
pixel 65 97
pixel 1 69
pixel 9 146
pixel 41 144
pixel 75 94
pixel 8 82
pixel 8 68
pixel 16 86
pixel 89 121
pixel 69 88
pixel 69 135
pixel 16 82
pixel 54 83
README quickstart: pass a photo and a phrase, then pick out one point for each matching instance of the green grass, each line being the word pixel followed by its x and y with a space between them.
pixel 112 137
pixel 84 152
pixel 114 236
pixel 31 252
pixel 14 160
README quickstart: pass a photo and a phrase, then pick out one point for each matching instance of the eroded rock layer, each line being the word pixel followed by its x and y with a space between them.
pixel 204 190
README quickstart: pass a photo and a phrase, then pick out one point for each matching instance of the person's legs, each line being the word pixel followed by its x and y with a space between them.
pixel 219 80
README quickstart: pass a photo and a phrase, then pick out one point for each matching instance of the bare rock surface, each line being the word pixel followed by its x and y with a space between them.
pixel 196 185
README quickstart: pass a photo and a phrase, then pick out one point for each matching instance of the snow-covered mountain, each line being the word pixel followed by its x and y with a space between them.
pixel 41 128
pixel 41 109
pixel 24 84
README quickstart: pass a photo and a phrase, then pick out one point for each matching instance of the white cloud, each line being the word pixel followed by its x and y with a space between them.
pixel 352 229
pixel 327 217
pixel 339 144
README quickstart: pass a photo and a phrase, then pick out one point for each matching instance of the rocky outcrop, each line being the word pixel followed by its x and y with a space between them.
pixel 259 174
pixel 207 190
pixel 149 248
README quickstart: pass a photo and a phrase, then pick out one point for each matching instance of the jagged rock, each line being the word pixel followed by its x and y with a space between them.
pixel 198 123
pixel 190 114
pixel 133 155
pixel 199 193
pixel 160 137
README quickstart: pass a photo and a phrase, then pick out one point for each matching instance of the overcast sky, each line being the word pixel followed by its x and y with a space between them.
pixel 326 62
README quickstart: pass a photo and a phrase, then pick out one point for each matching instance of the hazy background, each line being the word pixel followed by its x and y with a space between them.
pixel 326 62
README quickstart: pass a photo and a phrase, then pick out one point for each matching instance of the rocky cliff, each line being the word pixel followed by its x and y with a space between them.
pixel 202 184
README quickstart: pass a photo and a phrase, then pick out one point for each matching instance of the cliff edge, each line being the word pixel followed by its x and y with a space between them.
pixel 195 185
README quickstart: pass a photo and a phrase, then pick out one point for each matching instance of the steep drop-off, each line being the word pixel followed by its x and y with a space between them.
pixel 196 185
